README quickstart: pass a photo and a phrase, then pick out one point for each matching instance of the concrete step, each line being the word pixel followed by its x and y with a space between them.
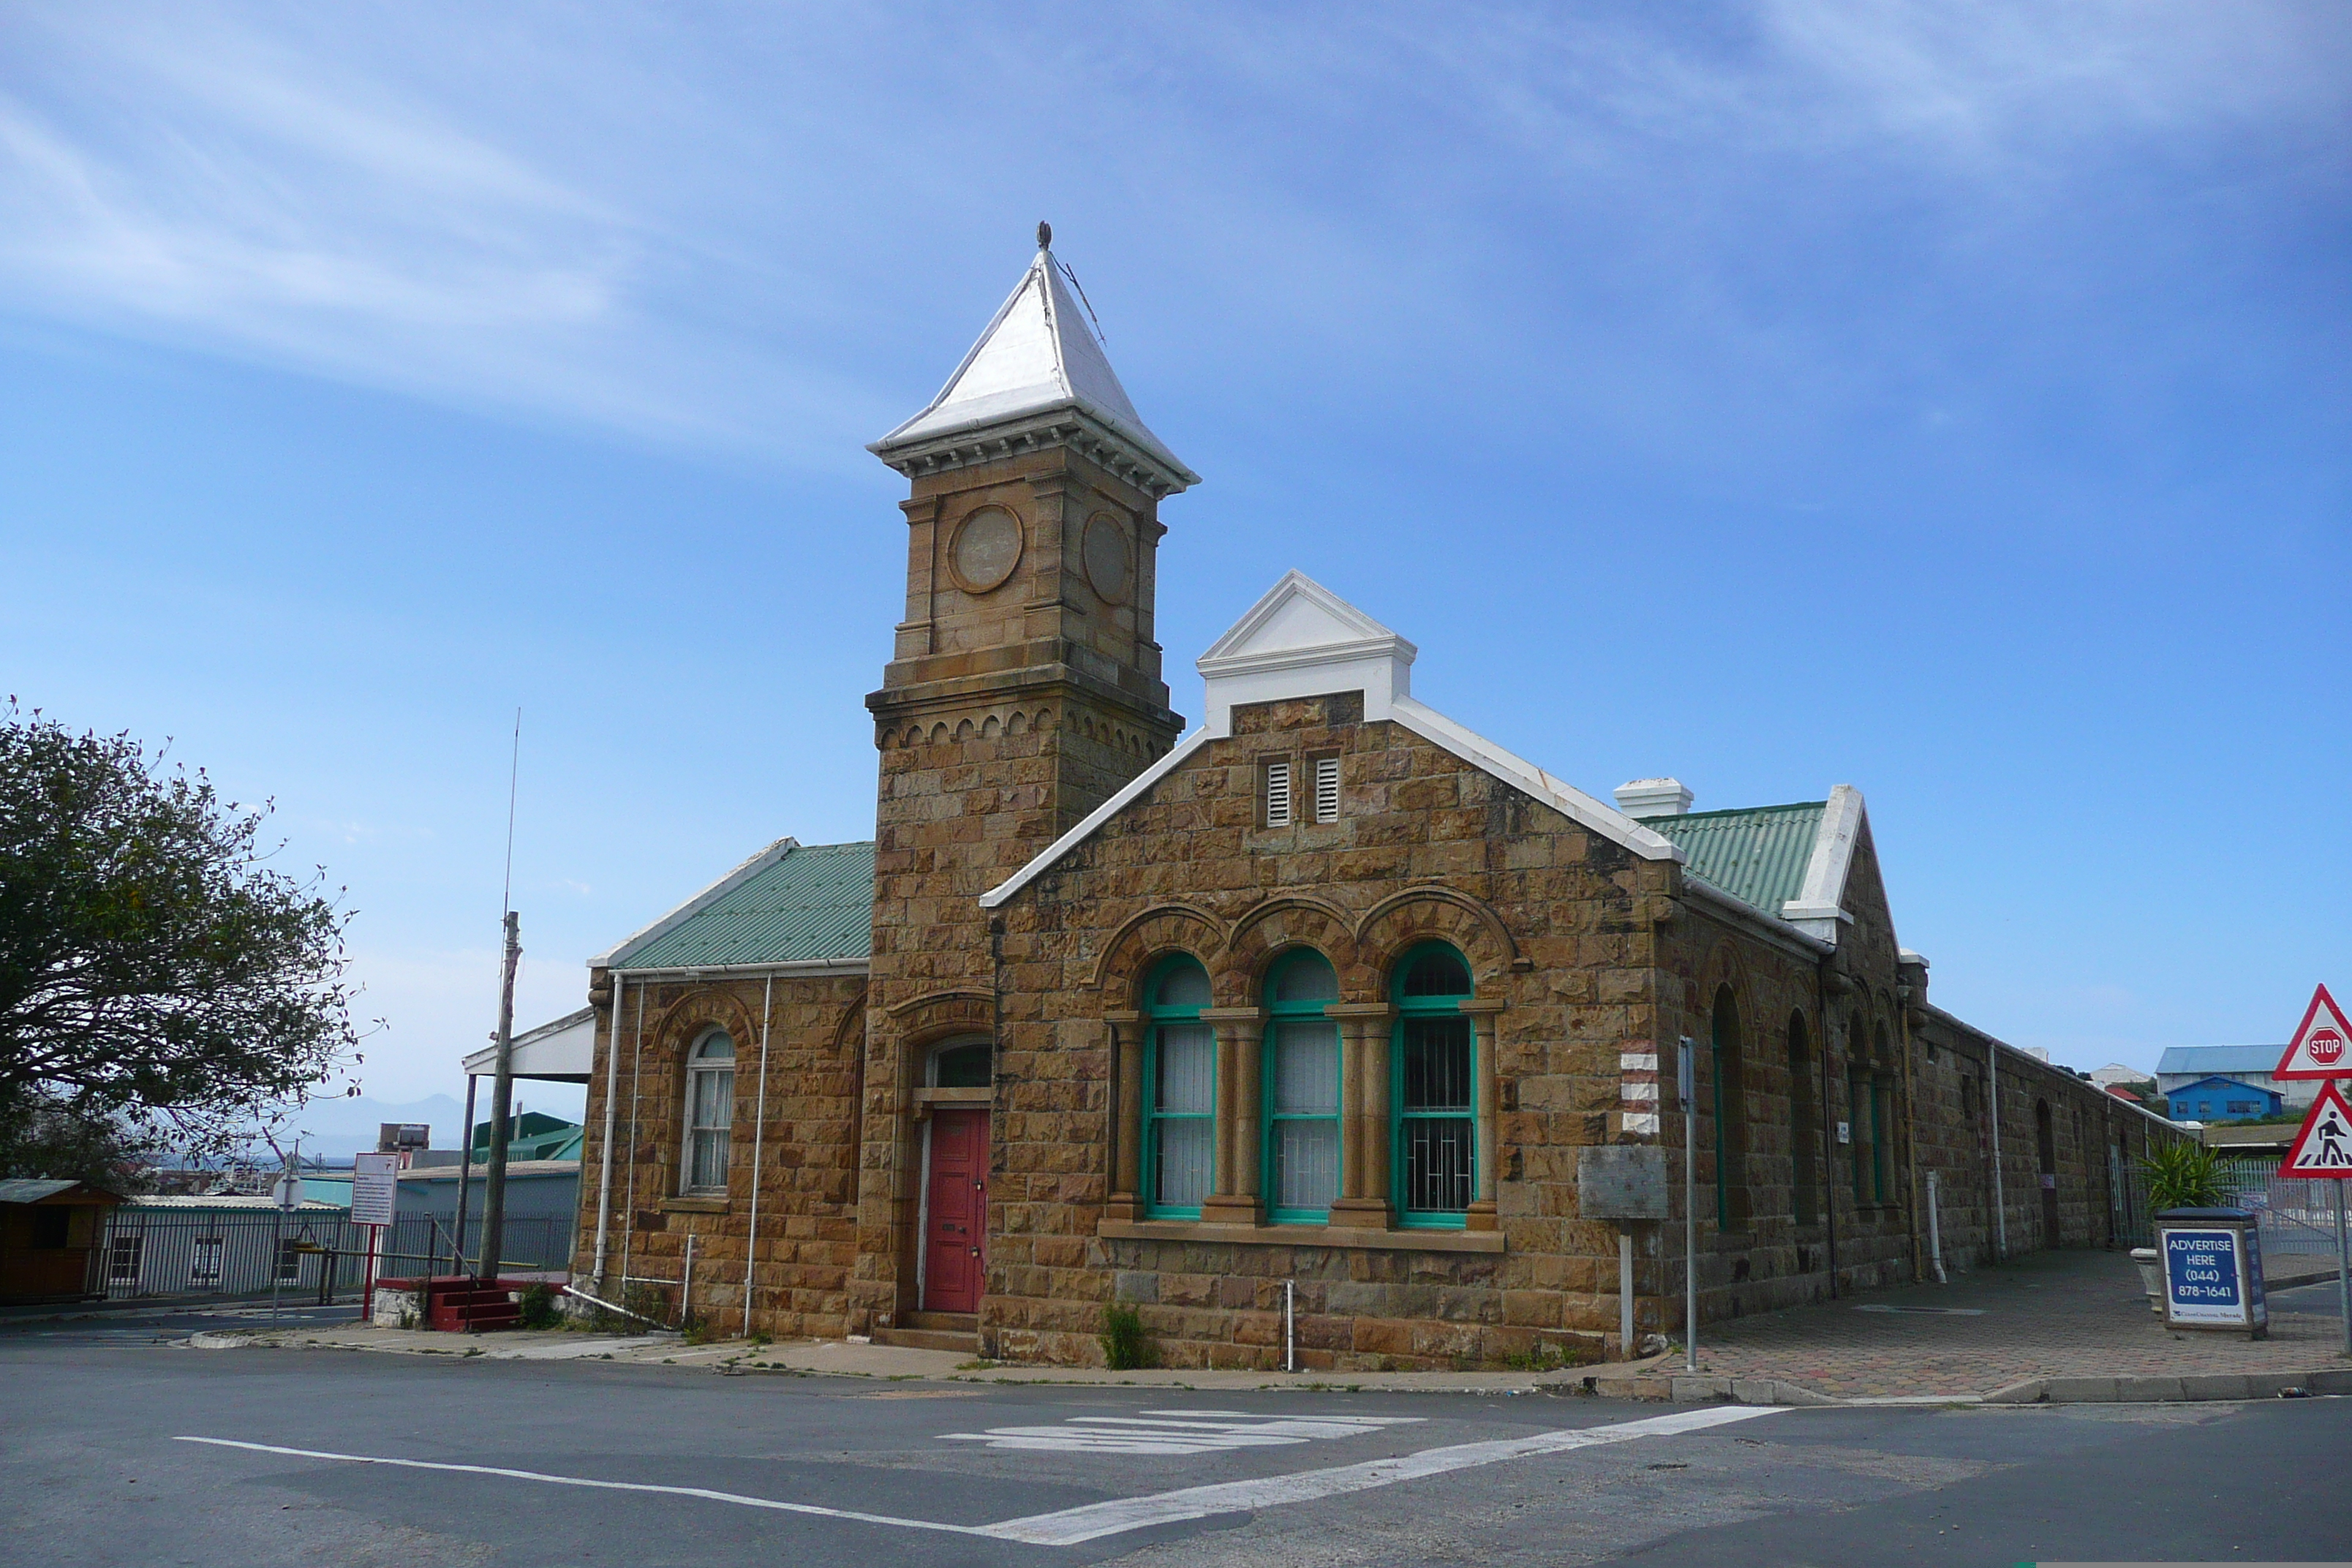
pixel 951 1323
pixel 928 1340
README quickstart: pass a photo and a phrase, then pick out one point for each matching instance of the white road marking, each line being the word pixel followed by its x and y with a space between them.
pixel 706 1493
pixel 1074 1526
pixel 1177 1432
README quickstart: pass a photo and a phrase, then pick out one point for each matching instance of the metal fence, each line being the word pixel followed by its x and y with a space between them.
pixel 304 1256
pixel 2297 1217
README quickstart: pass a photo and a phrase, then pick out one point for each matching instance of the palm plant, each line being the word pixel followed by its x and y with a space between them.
pixel 2184 1175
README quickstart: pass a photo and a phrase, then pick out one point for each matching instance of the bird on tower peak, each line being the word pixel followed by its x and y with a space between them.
pixel 1044 235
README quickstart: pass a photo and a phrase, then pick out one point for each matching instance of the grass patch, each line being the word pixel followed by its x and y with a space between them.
pixel 1126 1346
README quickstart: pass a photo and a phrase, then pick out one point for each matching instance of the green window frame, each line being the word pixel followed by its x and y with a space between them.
pixel 1881 1146
pixel 1180 1090
pixel 1299 1133
pixel 1433 1090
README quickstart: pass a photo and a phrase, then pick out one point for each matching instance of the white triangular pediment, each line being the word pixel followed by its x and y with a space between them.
pixel 1296 614
pixel 1302 640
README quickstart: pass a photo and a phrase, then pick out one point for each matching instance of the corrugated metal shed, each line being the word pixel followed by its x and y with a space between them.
pixel 1756 854
pixel 817 901
pixel 2203 1059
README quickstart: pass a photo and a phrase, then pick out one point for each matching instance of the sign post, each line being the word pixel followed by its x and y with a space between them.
pixel 287 1193
pixel 2322 1151
pixel 375 1198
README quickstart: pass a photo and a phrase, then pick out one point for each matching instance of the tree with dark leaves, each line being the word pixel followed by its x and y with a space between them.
pixel 159 981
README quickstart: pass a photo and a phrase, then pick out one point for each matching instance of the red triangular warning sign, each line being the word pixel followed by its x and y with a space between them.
pixel 2322 1047
pixel 2324 1147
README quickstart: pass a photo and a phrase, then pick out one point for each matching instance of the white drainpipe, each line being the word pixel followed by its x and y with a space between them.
pixel 611 1097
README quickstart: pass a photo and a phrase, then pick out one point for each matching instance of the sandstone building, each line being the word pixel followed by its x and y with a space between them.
pixel 1328 993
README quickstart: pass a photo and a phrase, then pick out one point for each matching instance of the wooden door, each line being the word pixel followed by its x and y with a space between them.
pixel 956 1235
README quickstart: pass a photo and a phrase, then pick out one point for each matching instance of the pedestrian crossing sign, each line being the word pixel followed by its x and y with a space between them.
pixel 2324 1147
pixel 2322 1047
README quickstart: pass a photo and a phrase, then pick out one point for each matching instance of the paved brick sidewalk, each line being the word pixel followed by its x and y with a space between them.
pixel 2073 1314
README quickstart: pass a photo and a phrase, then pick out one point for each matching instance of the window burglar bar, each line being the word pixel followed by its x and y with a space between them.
pixel 1439 1167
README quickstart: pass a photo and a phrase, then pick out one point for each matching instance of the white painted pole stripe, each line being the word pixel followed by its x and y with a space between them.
pixel 1074 1526
pixel 706 1493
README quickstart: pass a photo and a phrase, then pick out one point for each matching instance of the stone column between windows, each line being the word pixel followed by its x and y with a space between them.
pixel 1126 1110
pixel 1484 1015
pixel 1364 1031
pixel 1239 1031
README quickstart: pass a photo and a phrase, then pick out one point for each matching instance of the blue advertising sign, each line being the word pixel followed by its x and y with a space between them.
pixel 2215 1276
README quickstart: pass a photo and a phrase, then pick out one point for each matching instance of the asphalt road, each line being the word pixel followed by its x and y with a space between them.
pixel 688 1467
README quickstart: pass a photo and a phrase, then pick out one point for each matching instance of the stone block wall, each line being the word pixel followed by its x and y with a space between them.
pixel 1552 919
pixel 805 1136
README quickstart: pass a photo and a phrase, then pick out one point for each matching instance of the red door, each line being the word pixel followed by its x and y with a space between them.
pixel 958 1230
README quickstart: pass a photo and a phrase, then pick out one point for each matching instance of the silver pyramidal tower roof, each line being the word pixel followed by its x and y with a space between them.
pixel 1037 359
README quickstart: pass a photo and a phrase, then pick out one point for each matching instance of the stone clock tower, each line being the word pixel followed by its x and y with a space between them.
pixel 1023 693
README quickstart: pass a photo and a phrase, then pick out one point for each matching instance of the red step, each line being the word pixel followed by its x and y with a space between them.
pixel 471 1306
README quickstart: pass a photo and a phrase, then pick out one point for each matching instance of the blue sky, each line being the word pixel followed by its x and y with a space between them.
pixel 1948 400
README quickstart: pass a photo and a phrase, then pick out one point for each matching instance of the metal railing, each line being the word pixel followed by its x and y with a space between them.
pixel 181 1253
pixel 2297 1217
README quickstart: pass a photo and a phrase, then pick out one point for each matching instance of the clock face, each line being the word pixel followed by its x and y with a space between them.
pixel 1110 564
pixel 987 548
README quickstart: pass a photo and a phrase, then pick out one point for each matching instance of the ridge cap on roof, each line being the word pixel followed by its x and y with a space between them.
pixel 1732 811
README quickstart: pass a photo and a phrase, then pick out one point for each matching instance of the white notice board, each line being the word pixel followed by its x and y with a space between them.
pixel 375 1188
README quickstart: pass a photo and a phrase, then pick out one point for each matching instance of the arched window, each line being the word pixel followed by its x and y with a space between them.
pixel 1804 1127
pixel 1179 1081
pixel 1730 1115
pixel 1858 1104
pixel 709 1111
pixel 965 1062
pixel 1302 1089
pixel 1436 1163
pixel 1882 1119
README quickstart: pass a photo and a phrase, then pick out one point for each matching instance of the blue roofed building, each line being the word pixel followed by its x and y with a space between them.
pixel 2182 1066
pixel 2223 1100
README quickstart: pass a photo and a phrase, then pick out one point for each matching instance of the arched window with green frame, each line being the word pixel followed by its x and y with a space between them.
pixel 1434 1071
pixel 1180 1085
pixel 1302 1089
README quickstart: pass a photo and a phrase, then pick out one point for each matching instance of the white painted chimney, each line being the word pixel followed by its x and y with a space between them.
pixel 1653 797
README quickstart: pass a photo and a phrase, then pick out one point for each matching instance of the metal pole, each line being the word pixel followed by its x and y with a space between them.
pixel 604 1157
pixel 1625 1292
pixel 1289 1325
pixel 685 1286
pixel 1935 1232
pixel 494 1195
pixel 277 1253
pixel 1690 1206
pixel 2343 1271
pixel 464 1178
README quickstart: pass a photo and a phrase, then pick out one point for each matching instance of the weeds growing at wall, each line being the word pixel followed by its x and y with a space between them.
pixel 1126 1346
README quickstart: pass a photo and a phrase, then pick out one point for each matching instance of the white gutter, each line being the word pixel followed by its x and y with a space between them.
pixel 612 1092
pixel 759 1127
pixel 714 971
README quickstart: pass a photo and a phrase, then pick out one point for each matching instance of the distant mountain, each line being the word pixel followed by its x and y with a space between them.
pixel 338 1129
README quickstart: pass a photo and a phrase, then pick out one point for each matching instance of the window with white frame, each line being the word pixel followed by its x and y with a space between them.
pixel 124 1253
pixel 709 1111
pixel 204 1262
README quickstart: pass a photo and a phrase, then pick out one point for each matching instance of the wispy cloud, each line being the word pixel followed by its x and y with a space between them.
pixel 646 223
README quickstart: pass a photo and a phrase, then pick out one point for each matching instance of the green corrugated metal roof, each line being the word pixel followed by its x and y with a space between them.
pixel 816 902
pixel 1756 854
